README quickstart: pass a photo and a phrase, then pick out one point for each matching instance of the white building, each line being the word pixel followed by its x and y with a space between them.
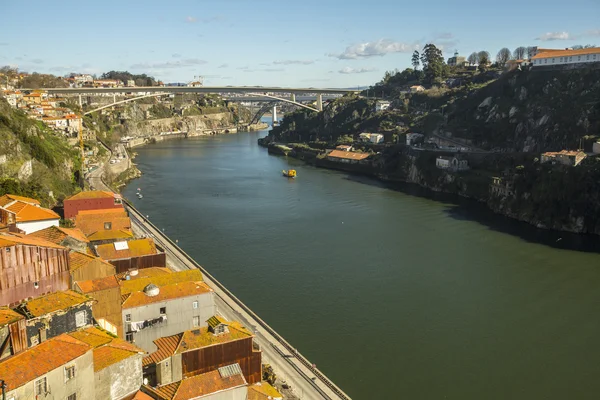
pixel 451 163
pixel 375 138
pixel 567 57
pixel 164 305
pixel 27 214
pixel 382 105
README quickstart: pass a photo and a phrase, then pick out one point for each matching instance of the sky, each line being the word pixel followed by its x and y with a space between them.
pixel 301 43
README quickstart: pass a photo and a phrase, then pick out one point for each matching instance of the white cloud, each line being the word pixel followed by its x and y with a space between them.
pixel 190 62
pixel 291 62
pixel 190 20
pixel 348 70
pixel 548 36
pixel 373 49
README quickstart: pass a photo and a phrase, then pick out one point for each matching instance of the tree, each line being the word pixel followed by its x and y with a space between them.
pixel 531 51
pixel 503 56
pixel 415 60
pixel 473 58
pixel 520 53
pixel 484 57
pixel 580 47
pixel 433 63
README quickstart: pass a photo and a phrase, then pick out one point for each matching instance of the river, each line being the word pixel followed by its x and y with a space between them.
pixel 392 294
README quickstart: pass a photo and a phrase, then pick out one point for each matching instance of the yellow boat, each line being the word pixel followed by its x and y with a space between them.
pixel 291 173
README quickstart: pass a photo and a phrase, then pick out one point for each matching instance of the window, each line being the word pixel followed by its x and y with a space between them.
pixel 72 396
pixel 118 201
pixel 570 58
pixel 195 305
pixel 167 363
pixel 196 322
pixel 129 337
pixel 163 310
pixel 545 61
pixel 553 59
pixel 127 317
pixel 107 226
pixel 35 340
pixel 80 318
pixel 40 387
pixel 69 373
pixel 578 58
pixel 561 59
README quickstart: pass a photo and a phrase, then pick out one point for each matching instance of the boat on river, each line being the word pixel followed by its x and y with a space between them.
pixel 290 173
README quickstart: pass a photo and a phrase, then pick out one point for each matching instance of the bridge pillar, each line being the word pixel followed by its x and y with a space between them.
pixel 274 115
pixel 293 97
pixel 114 97
pixel 319 102
pixel 80 102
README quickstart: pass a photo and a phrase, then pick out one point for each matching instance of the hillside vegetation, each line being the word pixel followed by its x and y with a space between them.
pixel 34 161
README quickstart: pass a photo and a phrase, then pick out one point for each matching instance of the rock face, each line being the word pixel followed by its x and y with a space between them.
pixel 25 171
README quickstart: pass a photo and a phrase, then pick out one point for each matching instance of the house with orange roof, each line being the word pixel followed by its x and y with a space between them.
pixel 226 382
pixel 107 310
pixel 26 214
pixel 30 267
pixel 84 267
pixel 59 368
pixel 13 336
pixel 565 157
pixel 346 157
pixel 132 254
pixel 143 305
pixel 104 226
pixel 204 349
pixel 575 58
pixel 56 313
pixel 73 238
pixel 91 200
pixel 117 364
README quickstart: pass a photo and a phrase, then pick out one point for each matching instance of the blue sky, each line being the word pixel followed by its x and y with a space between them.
pixel 325 43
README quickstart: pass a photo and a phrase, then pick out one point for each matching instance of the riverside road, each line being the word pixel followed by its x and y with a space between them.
pixel 289 365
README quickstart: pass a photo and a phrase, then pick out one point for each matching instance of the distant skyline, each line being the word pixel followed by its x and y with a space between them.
pixel 310 43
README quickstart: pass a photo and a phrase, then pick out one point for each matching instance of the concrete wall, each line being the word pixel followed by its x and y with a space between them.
pixel 180 315
pixel 170 370
pixel 58 389
pixel 119 380
pixel 30 227
pixel 56 324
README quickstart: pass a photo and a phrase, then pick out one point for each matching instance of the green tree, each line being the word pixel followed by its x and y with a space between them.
pixel 415 60
pixel 503 56
pixel 433 63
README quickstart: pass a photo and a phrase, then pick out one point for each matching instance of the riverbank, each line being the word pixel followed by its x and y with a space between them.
pixel 403 164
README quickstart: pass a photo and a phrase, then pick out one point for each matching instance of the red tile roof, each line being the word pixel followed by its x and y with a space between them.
pixel 26 212
pixel 9 240
pixel 37 361
pixel 195 339
pixel 135 248
pixel 567 53
pixel 108 350
pixel 198 386
pixel 139 395
pixel 53 302
pixel 96 285
pixel 89 223
pixel 158 277
pixel 176 291
pixel 9 198
pixel 57 234
pixel 349 155
pixel 263 391
pixel 8 316
pixel 92 194
pixel 78 260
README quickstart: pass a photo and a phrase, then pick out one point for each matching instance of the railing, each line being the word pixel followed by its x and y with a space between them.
pixel 263 324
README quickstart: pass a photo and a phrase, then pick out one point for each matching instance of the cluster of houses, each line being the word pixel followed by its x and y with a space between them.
pixel 93 312
pixel 40 106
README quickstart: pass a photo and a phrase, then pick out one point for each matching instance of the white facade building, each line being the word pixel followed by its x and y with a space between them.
pixel 566 57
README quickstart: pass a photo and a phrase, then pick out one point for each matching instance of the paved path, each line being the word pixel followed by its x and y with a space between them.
pixel 307 382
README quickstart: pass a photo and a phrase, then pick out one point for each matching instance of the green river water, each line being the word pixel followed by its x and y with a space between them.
pixel 392 293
